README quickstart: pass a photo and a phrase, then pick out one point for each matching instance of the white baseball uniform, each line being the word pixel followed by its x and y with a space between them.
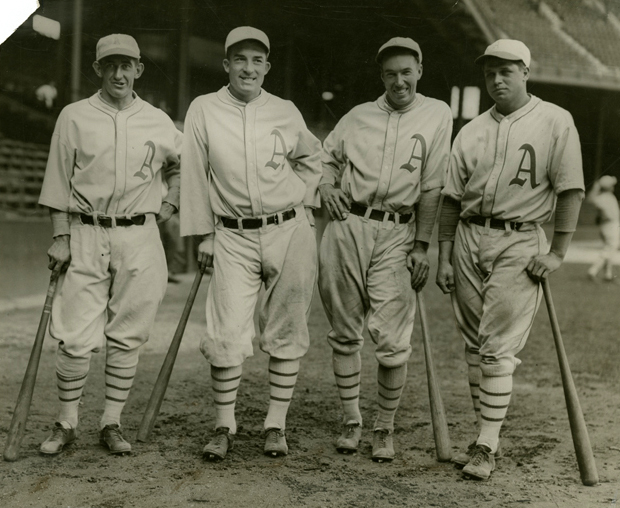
pixel 108 162
pixel 509 169
pixel 609 227
pixel 386 158
pixel 243 161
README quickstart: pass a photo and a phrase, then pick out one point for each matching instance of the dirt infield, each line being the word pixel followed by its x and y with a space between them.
pixel 539 468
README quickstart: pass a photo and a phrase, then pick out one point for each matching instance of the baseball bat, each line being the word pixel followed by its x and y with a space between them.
pixel 159 390
pixel 24 399
pixel 581 440
pixel 438 414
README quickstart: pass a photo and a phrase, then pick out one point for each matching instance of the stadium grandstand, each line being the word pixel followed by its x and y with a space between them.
pixel 316 48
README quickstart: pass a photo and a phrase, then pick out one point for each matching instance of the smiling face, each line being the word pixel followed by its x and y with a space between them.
pixel 118 74
pixel 246 65
pixel 400 74
pixel 506 82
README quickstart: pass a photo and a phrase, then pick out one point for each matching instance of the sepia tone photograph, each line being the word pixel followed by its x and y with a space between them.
pixel 263 253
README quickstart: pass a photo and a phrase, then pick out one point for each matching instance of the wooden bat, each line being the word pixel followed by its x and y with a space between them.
pixel 159 390
pixel 24 399
pixel 438 414
pixel 581 440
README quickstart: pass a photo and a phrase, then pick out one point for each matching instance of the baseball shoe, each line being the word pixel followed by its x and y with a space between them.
pixel 349 440
pixel 382 446
pixel 219 445
pixel 112 438
pixel 460 460
pixel 275 443
pixel 60 437
pixel 481 465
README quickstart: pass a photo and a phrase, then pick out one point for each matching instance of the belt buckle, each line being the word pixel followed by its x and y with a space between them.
pixel 276 219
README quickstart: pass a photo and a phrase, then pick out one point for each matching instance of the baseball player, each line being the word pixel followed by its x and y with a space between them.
pixel 392 156
pixel 103 186
pixel 608 220
pixel 509 169
pixel 248 185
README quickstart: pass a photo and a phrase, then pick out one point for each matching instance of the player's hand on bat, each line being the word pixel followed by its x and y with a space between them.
pixel 205 253
pixel 165 212
pixel 310 215
pixel 445 277
pixel 59 254
pixel 336 201
pixel 540 267
pixel 418 265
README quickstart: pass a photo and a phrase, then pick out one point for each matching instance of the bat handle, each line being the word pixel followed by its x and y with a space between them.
pixel 22 406
pixel 579 431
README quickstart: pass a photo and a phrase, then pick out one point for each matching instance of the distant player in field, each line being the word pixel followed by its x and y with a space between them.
pixel 510 168
pixel 103 185
pixel 248 186
pixel 608 219
pixel 392 156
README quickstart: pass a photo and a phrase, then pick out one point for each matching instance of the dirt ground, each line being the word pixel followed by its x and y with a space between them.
pixel 539 468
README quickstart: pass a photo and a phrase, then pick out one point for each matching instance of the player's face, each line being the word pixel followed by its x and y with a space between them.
pixel 246 66
pixel 400 75
pixel 118 74
pixel 506 83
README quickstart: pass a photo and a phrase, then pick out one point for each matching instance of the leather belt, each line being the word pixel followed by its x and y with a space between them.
pixel 375 214
pixel 106 222
pixel 257 222
pixel 494 223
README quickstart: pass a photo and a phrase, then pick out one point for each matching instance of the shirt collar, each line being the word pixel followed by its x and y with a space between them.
pixel 383 104
pixel 515 115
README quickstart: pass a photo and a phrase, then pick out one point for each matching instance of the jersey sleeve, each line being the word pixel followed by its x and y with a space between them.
pixel 195 206
pixel 56 188
pixel 434 174
pixel 566 168
pixel 332 156
pixel 456 178
pixel 172 170
pixel 305 160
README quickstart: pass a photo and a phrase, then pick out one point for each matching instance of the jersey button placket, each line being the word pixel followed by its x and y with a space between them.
pixel 388 159
pixel 251 162
pixel 120 123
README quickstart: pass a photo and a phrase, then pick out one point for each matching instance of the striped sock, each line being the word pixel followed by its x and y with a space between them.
pixel 474 374
pixel 391 382
pixel 225 383
pixel 347 370
pixel 71 374
pixel 494 399
pixel 118 382
pixel 282 379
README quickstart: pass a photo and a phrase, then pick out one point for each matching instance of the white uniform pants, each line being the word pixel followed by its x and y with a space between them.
pixel 495 301
pixel 112 289
pixel 363 270
pixel 283 257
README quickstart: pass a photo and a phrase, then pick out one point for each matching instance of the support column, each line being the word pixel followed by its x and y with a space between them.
pixel 76 53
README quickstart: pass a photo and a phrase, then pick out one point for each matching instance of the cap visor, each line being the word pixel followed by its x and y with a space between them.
pixel 120 52
pixel 498 54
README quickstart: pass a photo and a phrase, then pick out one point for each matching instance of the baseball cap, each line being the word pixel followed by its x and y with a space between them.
pixel 507 49
pixel 607 181
pixel 400 42
pixel 243 33
pixel 117 44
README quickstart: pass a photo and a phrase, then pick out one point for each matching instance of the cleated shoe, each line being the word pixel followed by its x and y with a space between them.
pixel 349 440
pixel 112 438
pixel 460 460
pixel 481 465
pixel 219 445
pixel 60 437
pixel 275 443
pixel 382 446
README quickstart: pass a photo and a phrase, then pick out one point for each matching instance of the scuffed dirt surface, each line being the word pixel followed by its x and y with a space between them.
pixel 539 467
